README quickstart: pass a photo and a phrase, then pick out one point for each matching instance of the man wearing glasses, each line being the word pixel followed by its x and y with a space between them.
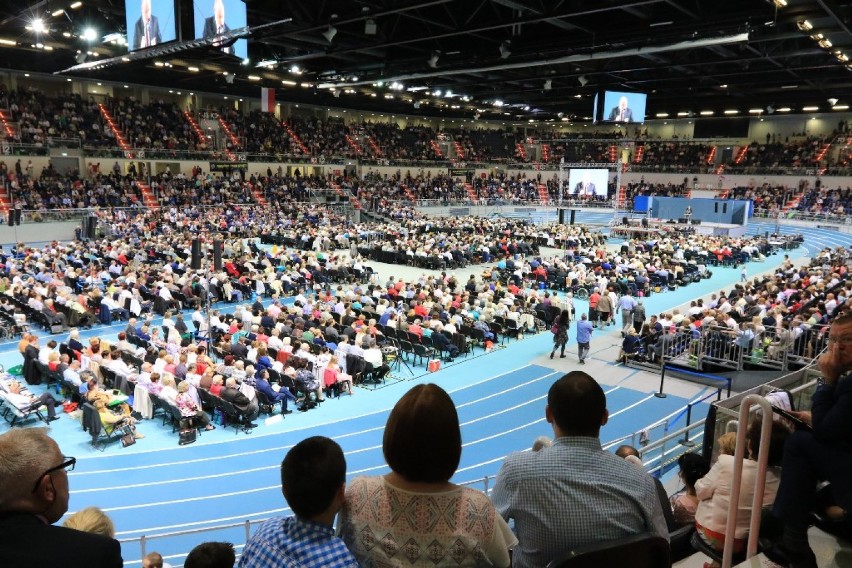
pixel 822 453
pixel 33 496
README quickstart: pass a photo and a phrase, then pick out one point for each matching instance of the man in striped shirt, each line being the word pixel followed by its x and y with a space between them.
pixel 574 493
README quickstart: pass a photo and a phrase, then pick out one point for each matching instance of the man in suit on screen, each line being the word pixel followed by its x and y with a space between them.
pixel 585 187
pixel 621 113
pixel 146 33
pixel 216 26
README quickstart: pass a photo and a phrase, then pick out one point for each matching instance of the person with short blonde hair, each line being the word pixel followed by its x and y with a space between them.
pixel 91 520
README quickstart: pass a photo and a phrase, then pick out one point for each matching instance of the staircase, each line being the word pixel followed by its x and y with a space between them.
pixel 545 153
pixel 7 128
pixel 354 145
pixel 542 193
pixel 741 155
pixel 203 137
pixel 148 198
pixel 258 195
pixel 711 157
pixel 436 148
pixel 520 151
pixel 720 170
pixel 640 151
pixel 409 194
pixel 296 138
pixel 459 149
pixel 119 137
pixel 822 152
pixel 337 189
pixel 622 196
pixel 375 147
pixel 613 153
pixel 471 193
pixel 231 138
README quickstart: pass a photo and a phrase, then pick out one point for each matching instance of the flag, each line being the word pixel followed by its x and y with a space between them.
pixel 267 99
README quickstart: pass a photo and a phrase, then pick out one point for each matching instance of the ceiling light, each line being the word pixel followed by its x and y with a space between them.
pixel 842 57
pixel 253 78
pixel 583 80
pixel 4 41
pixel 89 34
pixel 161 64
pixel 683 113
pixel 825 43
pixel 548 84
pixel 770 109
pixel 498 103
pixel 755 110
pixel 832 101
pixel 706 113
pixel 789 86
pixel 732 111
pixel 56 13
pixel 780 3
pixel 76 5
pixel 817 37
pixel 193 69
pixel 267 63
pixel 504 49
pixel 784 109
pixel 723 86
pixel 306 85
pixel 840 107
pixel 290 83
pixel 433 61
pixel 37 25
pixel 810 108
pixel 804 25
pixel 662 115
pixel 329 33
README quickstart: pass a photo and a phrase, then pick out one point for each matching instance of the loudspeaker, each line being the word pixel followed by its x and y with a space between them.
pixel 724 208
pixel 196 255
pixel 10 217
pixel 644 222
pixel 90 225
pixel 625 221
pixel 573 214
pixel 217 255
pixel 561 216
pixel 18 216
pixel 716 207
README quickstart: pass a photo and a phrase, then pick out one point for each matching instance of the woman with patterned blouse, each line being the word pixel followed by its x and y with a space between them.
pixel 414 516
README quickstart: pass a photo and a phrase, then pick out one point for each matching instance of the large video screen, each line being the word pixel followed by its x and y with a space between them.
pixel 588 182
pixel 623 107
pixel 214 17
pixel 149 23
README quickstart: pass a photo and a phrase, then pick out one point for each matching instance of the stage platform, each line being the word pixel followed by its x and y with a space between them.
pixel 658 228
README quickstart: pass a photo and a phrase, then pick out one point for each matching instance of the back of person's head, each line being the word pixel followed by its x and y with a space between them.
pixel 24 453
pixel 625 450
pixel 153 560
pixel 211 555
pixel 312 474
pixel 778 436
pixel 577 404
pixel 692 468
pixel 422 440
pixel 91 520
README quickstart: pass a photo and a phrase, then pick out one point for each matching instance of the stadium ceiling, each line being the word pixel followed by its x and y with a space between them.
pixel 516 59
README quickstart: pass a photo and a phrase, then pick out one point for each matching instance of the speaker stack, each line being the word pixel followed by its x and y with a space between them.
pixel 195 262
pixel 217 255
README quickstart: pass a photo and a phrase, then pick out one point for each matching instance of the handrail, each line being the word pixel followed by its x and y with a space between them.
pixel 759 483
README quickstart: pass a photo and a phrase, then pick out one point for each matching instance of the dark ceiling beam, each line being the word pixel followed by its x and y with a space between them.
pixel 556 22
pixel 834 12
pixel 678 6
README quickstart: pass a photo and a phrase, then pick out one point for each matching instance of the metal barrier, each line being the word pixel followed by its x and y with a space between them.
pixel 718 347
pixel 704 376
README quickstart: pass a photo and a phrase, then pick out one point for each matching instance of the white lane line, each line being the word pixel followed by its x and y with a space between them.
pixel 634 405
pixel 310 427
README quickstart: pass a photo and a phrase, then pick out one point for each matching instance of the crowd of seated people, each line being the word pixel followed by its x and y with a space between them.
pixel 676 157
pixel 783 315
pixel 156 125
pixel 775 154
pixel 826 201
pixel 40 117
pixel 767 197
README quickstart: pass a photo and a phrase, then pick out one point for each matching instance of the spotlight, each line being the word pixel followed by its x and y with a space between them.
pixel 229 79
pixel 80 58
pixel 38 26
pixel 417 104
pixel 369 27
pixel 548 85
pixel 433 61
pixel 504 49
pixel 476 116
pixel 89 34
pixel 832 101
pixel 770 109
pixel 583 80
pixel 329 33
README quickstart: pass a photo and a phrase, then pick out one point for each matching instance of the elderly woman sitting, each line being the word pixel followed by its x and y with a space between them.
pixel 189 408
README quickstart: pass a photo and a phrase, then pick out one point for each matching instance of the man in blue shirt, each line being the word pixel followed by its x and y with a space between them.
pixel 584 337
pixel 313 480
pixel 626 305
